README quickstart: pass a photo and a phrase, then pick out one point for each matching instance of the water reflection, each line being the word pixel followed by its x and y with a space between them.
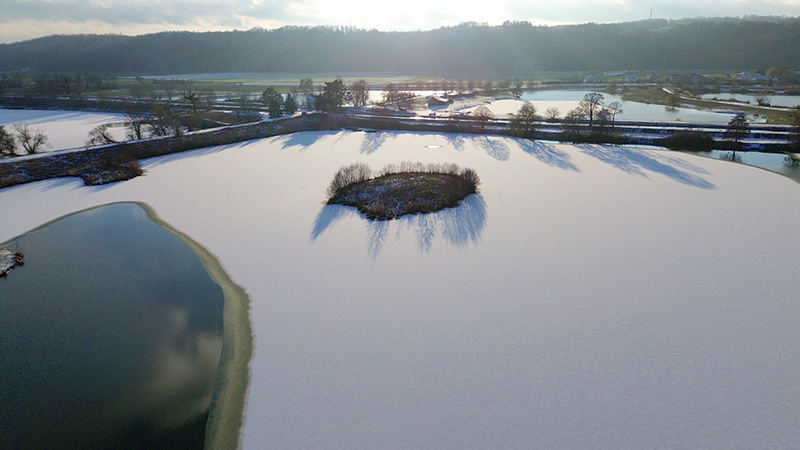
pixel 459 226
pixel 111 336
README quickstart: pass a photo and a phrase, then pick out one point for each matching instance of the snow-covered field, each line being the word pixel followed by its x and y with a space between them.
pixel 64 129
pixel 589 297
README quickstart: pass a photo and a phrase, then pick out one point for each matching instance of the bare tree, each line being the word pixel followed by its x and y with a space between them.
pixel 591 104
pixel 525 122
pixel 136 124
pixel 552 113
pixel 602 120
pixel 32 141
pixel 169 88
pixel 572 120
pixel 137 90
pixel 393 96
pixel 762 98
pixel 483 113
pixel 193 119
pixel 360 91
pixel 99 135
pixel 672 101
pixel 306 86
pixel 488 87
pixel 245 106
pixel 161 120
pixel 207 97
pixel 614 108
pixel 516 88
pixel 188 87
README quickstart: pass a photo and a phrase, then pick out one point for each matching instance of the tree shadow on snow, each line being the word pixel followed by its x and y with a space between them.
pixel 495 148
pixel 548 154
pixel 158 160
pixel 305 139
pixel 373 141
pixel 640 162
pixel 460 226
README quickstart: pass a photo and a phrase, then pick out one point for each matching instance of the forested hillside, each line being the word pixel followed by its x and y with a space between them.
pixel 467 49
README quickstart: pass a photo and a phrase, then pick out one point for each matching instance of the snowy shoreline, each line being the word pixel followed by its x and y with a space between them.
pixel 591 296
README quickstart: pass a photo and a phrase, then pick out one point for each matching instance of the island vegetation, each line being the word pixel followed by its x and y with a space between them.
pixel 10 259
pixel 407 188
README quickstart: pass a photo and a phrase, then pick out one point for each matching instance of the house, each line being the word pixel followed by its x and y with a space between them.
pixel 689 78
pixel 756 78
pixel 434 101
pixel 698 79
pixel 631 78
pixel 591 79
pixel 653 78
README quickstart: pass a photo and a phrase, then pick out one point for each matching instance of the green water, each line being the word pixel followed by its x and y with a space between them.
pixel 110 336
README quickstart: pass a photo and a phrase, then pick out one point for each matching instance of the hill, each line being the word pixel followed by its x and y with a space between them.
pixel 468 49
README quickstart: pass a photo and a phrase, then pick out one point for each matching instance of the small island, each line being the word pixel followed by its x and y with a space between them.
pixel 9 259
pixel 407 188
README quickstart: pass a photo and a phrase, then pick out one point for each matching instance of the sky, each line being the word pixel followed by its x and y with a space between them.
pixel 27 19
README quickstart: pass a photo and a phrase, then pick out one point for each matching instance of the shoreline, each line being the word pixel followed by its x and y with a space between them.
pixel 226 416
pixel 226 413
pixel 327 353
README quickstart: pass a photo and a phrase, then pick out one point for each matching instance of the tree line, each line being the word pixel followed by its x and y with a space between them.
pixel 466 49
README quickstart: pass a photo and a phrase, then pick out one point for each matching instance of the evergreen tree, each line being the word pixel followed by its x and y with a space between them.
pixel 738 129
pixel 275 107
pixel 290 105
pixel 8 144
pixel 334 95
pixel 268 95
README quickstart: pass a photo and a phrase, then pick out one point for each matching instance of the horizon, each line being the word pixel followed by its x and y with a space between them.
pixel 356 28
pixel 25 20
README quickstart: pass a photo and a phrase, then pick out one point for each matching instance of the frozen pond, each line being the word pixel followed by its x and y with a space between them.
pixel 111 335
pixel 788 101
pixel 64 129
pixel 588 297
pixel 774 162
pixel 566 100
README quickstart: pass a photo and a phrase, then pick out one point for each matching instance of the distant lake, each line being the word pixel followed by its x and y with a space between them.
pixel 774 162
pixel 64 129
pixel 566 100
pixel 788 101
pixel 110 336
